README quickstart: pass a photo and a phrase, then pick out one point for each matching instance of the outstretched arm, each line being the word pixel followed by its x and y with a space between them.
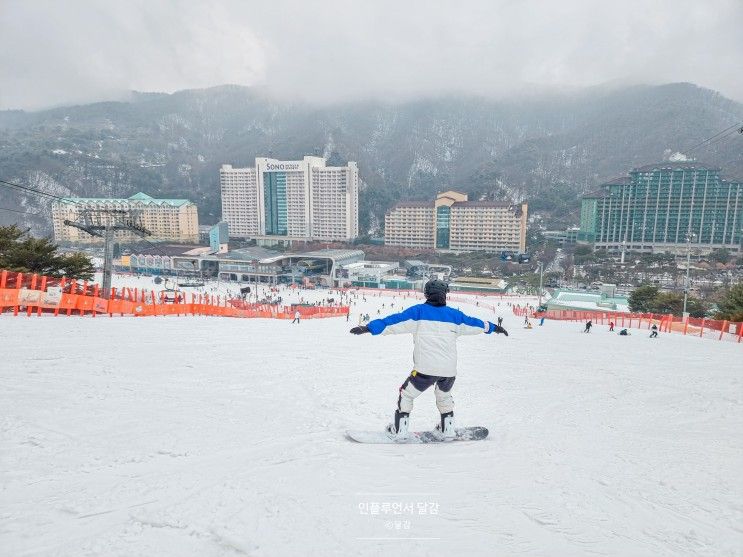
pixel 475 326
pixel 397 323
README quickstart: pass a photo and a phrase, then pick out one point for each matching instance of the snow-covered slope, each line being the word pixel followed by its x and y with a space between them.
pixel 207 436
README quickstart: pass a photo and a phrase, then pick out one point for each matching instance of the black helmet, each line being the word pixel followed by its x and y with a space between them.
pixel 435 291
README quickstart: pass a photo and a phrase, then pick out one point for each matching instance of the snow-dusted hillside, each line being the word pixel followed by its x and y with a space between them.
pixel 546 149
pixel 208 436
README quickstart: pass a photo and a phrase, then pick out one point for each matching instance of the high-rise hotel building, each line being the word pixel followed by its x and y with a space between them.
pixel 662 207
pixel 451 222
pixel 291 200
pixel 172 220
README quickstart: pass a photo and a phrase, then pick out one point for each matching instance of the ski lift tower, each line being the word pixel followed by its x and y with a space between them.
pixel 104 223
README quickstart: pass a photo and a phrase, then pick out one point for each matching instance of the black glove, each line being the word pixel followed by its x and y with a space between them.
pixel 498 330
pixel 360 330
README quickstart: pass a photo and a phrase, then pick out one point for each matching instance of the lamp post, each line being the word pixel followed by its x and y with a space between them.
pixel 689 238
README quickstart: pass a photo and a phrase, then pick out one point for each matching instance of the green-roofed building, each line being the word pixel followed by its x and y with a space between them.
pixel 659 207
pixel 587 301
pixel 171 220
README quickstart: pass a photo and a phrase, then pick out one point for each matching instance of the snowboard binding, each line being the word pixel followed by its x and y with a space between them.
pixel 446 428
pixel 400 427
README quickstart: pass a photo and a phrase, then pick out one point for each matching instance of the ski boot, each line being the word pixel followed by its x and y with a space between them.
pixel 400 427
pixel 446 427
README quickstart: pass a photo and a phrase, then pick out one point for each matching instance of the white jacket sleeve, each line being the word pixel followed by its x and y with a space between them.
pixel 396 324
pixel 474 326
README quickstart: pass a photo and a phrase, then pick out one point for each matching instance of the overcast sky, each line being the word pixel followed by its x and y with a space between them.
pixel 61 52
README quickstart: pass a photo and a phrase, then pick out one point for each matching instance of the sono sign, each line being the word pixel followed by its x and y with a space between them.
pixel 282 166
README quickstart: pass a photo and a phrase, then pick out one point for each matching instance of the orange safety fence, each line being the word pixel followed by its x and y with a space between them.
pixel 697 326
pixel 405 293
pixel 476 298
pixel 22 292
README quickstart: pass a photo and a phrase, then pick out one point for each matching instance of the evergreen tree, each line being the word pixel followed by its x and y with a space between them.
pixel 641 299
pixel 77 265
pixel 721 255
pixel 21 253
pixel 673 302
pixel 731 306
pixel 648 299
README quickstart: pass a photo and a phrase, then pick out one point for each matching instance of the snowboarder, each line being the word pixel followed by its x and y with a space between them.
pixel 654 329
pixel 611 326
pixel 624 333
pixel 589 324
pixel 297 315
pixel 435 328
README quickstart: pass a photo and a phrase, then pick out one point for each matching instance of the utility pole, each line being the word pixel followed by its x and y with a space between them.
pixel 689 237
pixel 104 223
pixel 541 276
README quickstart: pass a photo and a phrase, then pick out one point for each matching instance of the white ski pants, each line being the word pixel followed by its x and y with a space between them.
pixel 416 383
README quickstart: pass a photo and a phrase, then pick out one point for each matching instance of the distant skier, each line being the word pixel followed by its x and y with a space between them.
pixel 611 326
pixel 624 333
pixel 297 315
pixel 435 328
pixel 589 324
pixel 500 321
pixel 654 331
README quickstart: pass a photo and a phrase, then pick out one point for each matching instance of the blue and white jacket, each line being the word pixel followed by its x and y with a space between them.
pixel 435 330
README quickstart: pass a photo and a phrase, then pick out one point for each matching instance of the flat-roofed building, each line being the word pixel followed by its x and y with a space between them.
pixel 410 224
pixel 488 226
pixel 291 200
pixel 239 200
pixel 452 222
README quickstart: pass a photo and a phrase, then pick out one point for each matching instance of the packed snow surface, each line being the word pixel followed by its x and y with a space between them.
pixel 204 436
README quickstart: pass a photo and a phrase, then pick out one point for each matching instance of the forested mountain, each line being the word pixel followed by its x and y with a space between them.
pixel 546 149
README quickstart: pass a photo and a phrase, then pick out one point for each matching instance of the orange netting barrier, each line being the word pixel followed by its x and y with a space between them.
pixel 35 294
pixel 408 293
pixel 696 326
pixel 462 297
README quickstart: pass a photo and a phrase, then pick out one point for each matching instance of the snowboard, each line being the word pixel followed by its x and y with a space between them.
pixel 475 433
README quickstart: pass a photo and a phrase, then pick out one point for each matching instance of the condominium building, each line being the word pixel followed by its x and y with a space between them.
pixel 668 206
pixel 174 220
pixel 452 222
pixel 303 200
pixel 410 224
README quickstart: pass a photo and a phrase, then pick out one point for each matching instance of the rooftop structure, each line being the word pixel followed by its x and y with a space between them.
pixel 246 265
